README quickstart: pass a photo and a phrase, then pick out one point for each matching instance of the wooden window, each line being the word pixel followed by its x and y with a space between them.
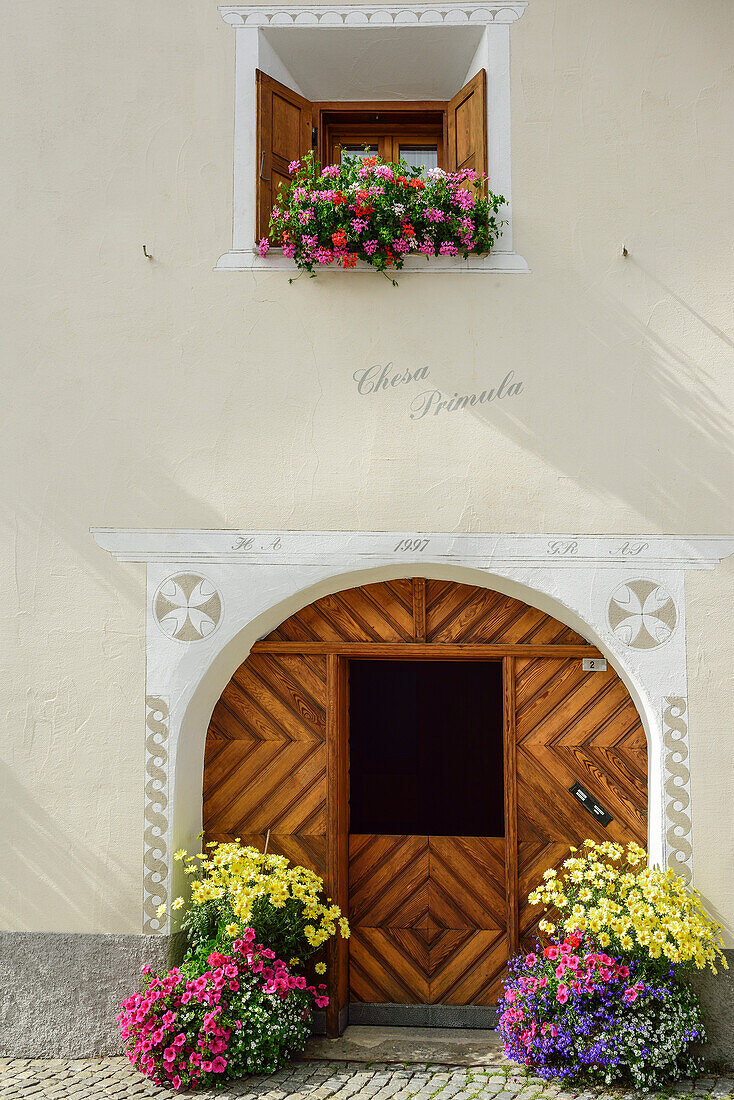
pixel 450 135
pixel 388 129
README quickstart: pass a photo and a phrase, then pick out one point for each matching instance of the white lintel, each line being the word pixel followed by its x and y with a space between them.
pixel 483 550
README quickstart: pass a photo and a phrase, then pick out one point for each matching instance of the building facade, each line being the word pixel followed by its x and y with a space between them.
pixel 232 498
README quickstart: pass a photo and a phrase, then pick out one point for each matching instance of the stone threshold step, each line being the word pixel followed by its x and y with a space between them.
pixel 448 1046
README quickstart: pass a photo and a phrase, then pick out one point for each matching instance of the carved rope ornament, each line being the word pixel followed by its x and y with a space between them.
pixel 155 875
pixel 677 788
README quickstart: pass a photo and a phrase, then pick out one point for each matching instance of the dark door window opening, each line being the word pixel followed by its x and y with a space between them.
pixel 426 748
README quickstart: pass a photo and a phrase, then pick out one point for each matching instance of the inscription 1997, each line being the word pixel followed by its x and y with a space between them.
pixel 379 379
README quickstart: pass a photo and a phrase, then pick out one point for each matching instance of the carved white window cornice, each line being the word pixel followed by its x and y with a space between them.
pixel 361 15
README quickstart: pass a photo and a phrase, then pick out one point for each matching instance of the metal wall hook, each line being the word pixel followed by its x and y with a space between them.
pixel 147 254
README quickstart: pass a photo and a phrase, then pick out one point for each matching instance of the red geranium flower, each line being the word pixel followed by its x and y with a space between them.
pixel 418 184
pixel 339 238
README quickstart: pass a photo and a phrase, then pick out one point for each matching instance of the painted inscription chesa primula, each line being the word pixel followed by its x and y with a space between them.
pixel 379 379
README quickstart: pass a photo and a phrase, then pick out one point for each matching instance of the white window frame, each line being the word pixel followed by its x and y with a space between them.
pixel 493 55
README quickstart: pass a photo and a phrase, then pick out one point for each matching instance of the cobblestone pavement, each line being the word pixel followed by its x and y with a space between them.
pixel 114 1078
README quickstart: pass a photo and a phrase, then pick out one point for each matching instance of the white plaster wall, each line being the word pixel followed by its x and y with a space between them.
pixel 163 394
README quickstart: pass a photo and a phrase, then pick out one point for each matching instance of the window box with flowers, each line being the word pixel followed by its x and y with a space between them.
pixel 423 82
pixel 364 211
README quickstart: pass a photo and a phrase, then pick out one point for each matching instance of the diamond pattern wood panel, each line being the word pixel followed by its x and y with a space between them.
pixel 428 919
pixel 265 761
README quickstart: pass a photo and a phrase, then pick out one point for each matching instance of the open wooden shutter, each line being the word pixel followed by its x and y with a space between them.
pixel 283 134
pixel 467 126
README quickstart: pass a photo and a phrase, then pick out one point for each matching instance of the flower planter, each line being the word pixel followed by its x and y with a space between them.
pixel 376 215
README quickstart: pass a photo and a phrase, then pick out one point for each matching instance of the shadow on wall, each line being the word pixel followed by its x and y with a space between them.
pixel 55 878
pixel 70 521
pixel 644 425
pixel 51 878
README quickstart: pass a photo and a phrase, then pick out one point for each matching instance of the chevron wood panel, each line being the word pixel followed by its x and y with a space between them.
pixel 467 882
pixel 472 971
pixel 580 726
pixel 573 726
pixel 373 613
pixel 465 613
pixel 388 881
pixel 266 757
pixel 388 966
pixel 534 858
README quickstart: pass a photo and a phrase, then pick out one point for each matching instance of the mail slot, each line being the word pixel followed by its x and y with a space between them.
pixel 590 804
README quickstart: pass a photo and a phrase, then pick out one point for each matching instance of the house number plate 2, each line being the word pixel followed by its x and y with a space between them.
pixel 594 664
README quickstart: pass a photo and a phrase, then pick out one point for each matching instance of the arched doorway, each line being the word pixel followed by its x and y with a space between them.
pixel 436 907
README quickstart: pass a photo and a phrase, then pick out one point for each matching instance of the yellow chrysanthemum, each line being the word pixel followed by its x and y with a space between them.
pixel 611 891
pixel 320 968
pixel 241 876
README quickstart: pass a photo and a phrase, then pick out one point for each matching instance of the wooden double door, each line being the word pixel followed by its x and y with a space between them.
pixel 433 872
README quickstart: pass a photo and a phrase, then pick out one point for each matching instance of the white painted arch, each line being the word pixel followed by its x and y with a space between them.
pixel 255 580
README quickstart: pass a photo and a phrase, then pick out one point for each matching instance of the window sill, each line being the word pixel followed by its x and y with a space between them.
pixel 496 263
